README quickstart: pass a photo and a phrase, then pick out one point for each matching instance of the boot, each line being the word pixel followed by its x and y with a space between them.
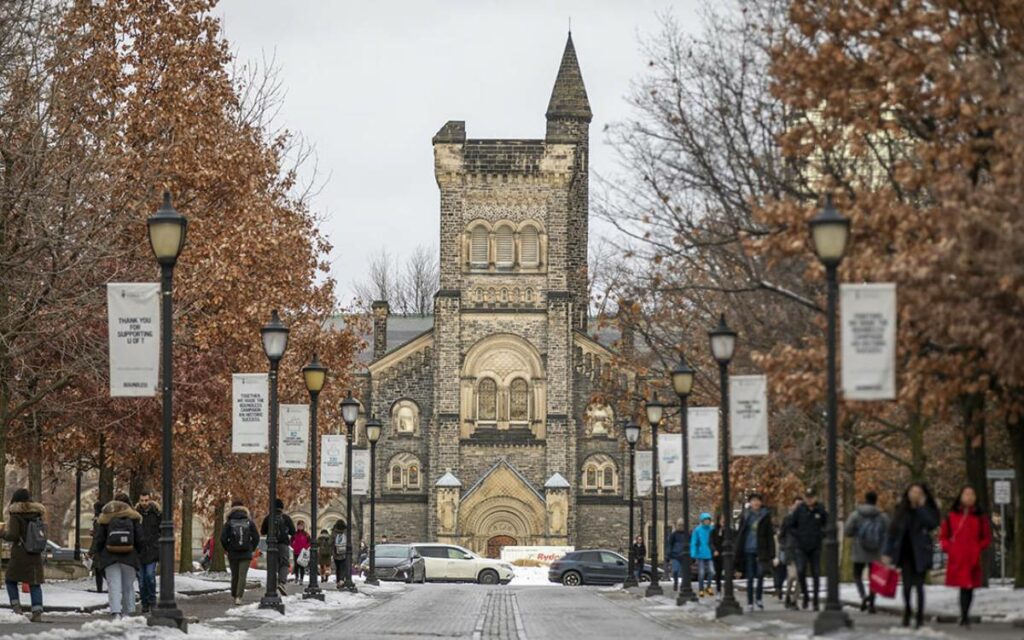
pixel 37 614
pixel 871 604
pixel 16 607
pixel 675 584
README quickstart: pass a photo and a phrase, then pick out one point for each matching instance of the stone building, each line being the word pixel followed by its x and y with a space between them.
pixel 489 437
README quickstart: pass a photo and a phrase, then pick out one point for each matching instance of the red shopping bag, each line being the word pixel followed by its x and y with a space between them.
pixel 884 580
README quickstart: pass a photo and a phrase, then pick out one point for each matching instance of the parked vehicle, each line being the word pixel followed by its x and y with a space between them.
pixel 449 562
pixel 592 566
pixel 397 562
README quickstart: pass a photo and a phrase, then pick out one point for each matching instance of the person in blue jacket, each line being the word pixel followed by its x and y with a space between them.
pixel 701 552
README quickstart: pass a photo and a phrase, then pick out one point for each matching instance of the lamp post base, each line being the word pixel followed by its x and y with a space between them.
pixel 653 589
pixel 272 602
pixel 831 620
pixel 686 594
pixel 168 617
pixel 630 582
pixel 728 607
pixel 313 593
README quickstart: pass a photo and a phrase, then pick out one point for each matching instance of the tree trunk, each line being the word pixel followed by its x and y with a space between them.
pixel 972 410
pixel 4 404
pixel 185 554
pixel 35 461
pixel 918 459
pixel 1015 429
pixel 217 561
pixel 106 481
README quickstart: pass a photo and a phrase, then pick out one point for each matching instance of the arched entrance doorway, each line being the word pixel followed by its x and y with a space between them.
pixel 495 544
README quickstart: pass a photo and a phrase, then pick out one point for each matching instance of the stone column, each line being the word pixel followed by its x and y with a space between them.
pixel 447 489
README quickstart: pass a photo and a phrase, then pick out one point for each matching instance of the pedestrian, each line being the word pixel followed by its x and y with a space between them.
pixel 639 551
pixel 964 535
pixel 756 539
pixel 150 512
pixel 384 539
pixel 300 542
pixel 97 571
pixel 789 556
pixel 717 544
pixel 339 552
pixel 674 547
pixel 323 552
pixel 239 538
pixel 867 526
pixel 284 529
pixel 26 532
pixel 908 544
pixel 778 566
pixel 116 547
pixel 808 526
pixel 701 552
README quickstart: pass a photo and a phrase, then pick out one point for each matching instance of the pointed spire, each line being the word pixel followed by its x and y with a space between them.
pixel 569 97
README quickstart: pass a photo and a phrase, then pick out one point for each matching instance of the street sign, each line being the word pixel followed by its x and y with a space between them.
pixel 1001 474
pixel 1001 491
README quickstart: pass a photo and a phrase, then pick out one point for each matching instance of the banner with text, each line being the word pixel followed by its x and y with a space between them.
pixel 748 415
pixel 360 472
pixel 868 328
pixel 644 472
pixel 250 415
pixel 133 327
pixel 332 461
pixel 702 430
pixel 293 436
pixel 670 459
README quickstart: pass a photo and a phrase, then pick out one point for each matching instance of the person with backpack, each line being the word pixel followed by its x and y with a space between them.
pixel 116 547
pixel 26 532
pixel 323 552
pixel 909 546
pixel 239 538
pixel 150 512
pixel 867 526
pixel 808 526
pixel 300 542
pixel 338 552
pixel 284 529
pixel 964 535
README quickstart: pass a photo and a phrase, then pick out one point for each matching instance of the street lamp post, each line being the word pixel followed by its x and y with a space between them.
pixel 830 231
pixel 315 375
pixel 167 238
pixel 275 341
pixel 723 345
pixel 632 430
pixel 373 428
pixel 349 414
pixel 682 383
pixel 655 412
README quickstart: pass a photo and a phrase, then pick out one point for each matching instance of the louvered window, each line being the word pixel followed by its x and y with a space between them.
pixel 478 246
pixel 519 401
pixel 487 400
pixel 529 242
pixel 505 247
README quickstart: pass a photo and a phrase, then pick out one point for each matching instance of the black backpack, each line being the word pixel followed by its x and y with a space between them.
pixel 121 536
pixel 871 533
pixel 281 529
pixel 34 541
pixel 340 545
pixel 240 536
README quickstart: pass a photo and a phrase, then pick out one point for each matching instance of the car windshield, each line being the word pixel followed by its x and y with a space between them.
pixel 392 551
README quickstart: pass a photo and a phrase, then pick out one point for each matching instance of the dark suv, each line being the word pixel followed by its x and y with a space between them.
pixel 592 566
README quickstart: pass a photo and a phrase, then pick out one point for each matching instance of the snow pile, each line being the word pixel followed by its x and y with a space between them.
pixel 994 603
pixel 134 628
pixel 530 576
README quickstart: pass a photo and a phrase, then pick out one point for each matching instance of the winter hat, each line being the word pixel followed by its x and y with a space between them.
pixel 705 516
pixel 21 495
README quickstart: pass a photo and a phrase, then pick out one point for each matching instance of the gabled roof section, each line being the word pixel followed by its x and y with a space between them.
pixel 391 358
pixel 498 465
pixel 569 96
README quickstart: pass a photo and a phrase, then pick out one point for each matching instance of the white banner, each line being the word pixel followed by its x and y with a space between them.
pixel 868 335
pixel 670 459
pixel 293 436
pixel 748 415
pixel 133 327
pixel 644 472
pixel 702 430
pixel 250 412
pixel 332 461
pixel 360 472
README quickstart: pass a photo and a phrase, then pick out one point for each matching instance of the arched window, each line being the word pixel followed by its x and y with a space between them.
pixel 519 401
pixel 600 474
pixel 404 474
pixel 396 475
pixel 591 476
pixel 608 481
pixel 504 247
pixel 414 476
pixel 405 417
pixel 529 247
pixel 478 249
pixel 487 401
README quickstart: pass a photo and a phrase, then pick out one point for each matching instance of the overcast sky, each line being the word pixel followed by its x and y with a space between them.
pixel 369 83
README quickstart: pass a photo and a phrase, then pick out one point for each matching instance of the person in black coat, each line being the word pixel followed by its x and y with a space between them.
pixel 639 553
pixel 150 512
pixel 116 547
pixel 239 539
pixel 807 525
pixel 909 544
pixel 284 529
pixel 755 542
pixel 717 544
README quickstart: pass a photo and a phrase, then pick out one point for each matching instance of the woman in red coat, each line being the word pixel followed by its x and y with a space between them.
pixel 964 535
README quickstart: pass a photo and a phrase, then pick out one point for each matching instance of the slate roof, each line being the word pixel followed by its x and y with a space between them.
pixel 569 96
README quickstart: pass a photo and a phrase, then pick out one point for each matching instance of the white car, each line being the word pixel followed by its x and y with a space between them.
pixel 449 562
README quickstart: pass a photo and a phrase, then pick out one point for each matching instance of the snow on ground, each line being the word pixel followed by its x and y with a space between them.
pixel 130 629
pixel 530 576
pixel 996 602
pixel 76 594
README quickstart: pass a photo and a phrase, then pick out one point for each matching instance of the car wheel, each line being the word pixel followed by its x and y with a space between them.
pixel 572 579
pixel 488 576
pixel 645 577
